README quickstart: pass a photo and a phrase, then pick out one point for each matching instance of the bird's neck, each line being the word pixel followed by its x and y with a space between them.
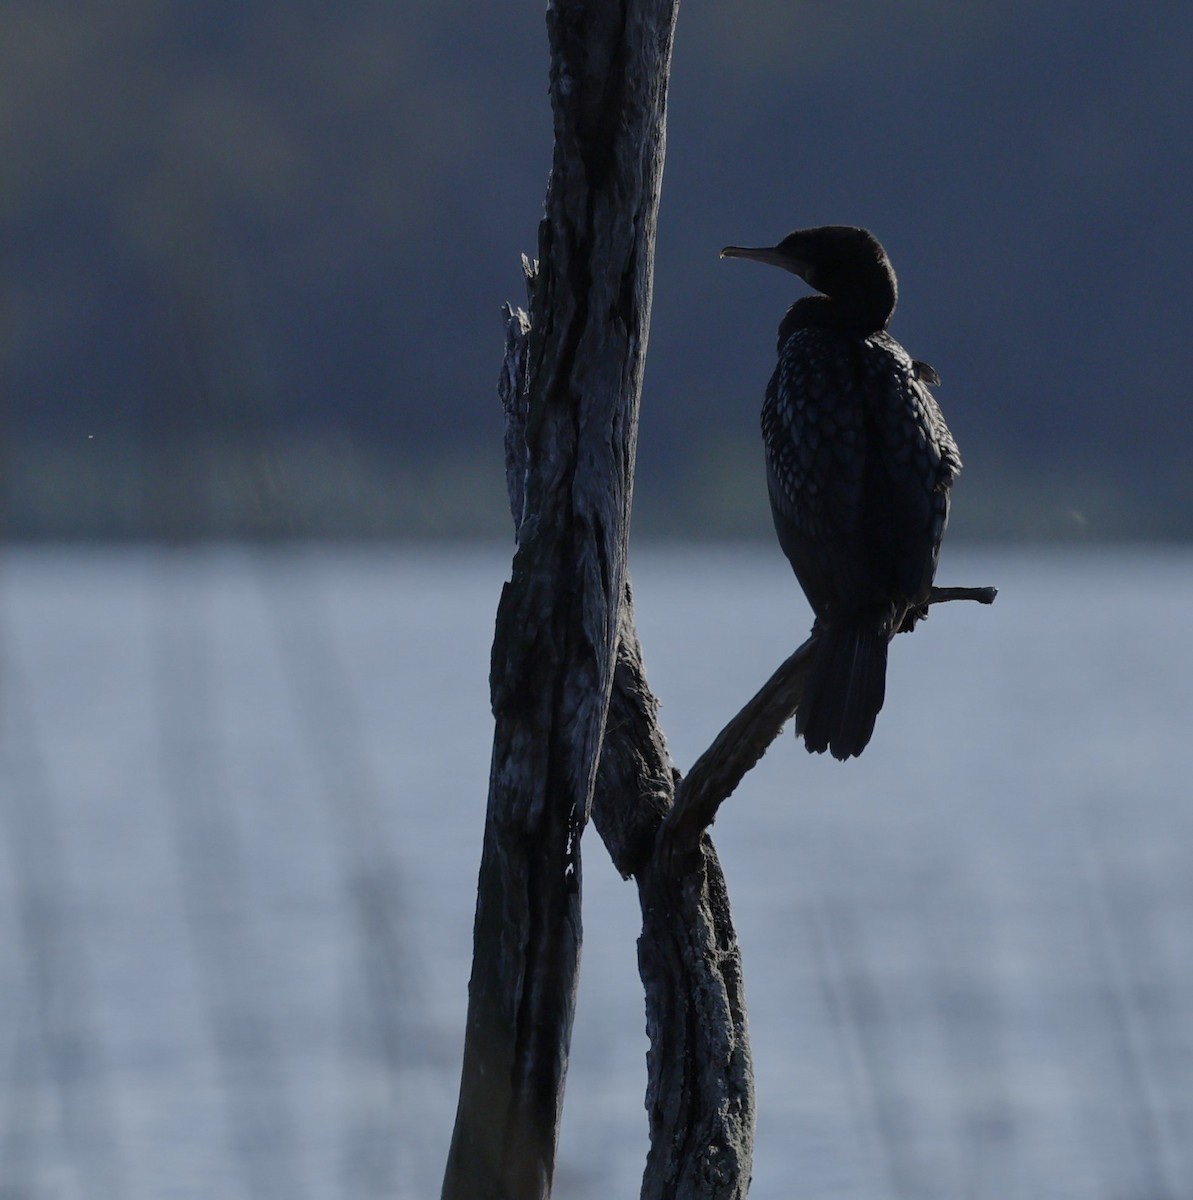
pixel 860 314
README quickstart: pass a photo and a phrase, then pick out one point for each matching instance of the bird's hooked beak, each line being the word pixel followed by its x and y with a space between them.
pixel 771 255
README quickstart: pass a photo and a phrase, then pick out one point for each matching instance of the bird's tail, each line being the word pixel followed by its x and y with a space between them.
pixel 844 688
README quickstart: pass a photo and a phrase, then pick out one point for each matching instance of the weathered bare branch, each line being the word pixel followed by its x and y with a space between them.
pixel 738 747
pixel 983 595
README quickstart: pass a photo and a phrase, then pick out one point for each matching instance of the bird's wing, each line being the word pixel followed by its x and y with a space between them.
pixel 813 424
pixel 814 428
pixel 914 459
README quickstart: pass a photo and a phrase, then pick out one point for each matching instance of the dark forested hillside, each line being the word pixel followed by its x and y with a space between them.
pixel 253 254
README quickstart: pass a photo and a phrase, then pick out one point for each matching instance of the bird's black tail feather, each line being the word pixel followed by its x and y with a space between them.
pixel 844 690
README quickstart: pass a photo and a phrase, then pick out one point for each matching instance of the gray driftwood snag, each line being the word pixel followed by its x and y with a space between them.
pixel 559 622
pixel 576 732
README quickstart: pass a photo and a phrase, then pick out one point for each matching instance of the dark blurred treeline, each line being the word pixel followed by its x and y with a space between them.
pixel 254 254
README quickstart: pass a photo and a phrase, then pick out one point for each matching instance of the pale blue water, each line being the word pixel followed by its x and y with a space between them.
pixel 240 825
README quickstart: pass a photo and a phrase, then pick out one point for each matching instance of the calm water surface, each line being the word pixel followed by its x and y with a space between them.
pixel 240 818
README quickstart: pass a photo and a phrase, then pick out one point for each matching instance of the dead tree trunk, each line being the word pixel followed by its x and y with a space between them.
pixel 560 618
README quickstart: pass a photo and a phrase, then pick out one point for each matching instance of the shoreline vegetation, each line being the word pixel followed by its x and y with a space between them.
pixel 332 486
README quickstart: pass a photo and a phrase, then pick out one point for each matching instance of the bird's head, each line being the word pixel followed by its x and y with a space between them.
pixel 842 262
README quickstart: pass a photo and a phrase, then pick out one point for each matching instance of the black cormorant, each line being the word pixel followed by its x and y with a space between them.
pixel 859 463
